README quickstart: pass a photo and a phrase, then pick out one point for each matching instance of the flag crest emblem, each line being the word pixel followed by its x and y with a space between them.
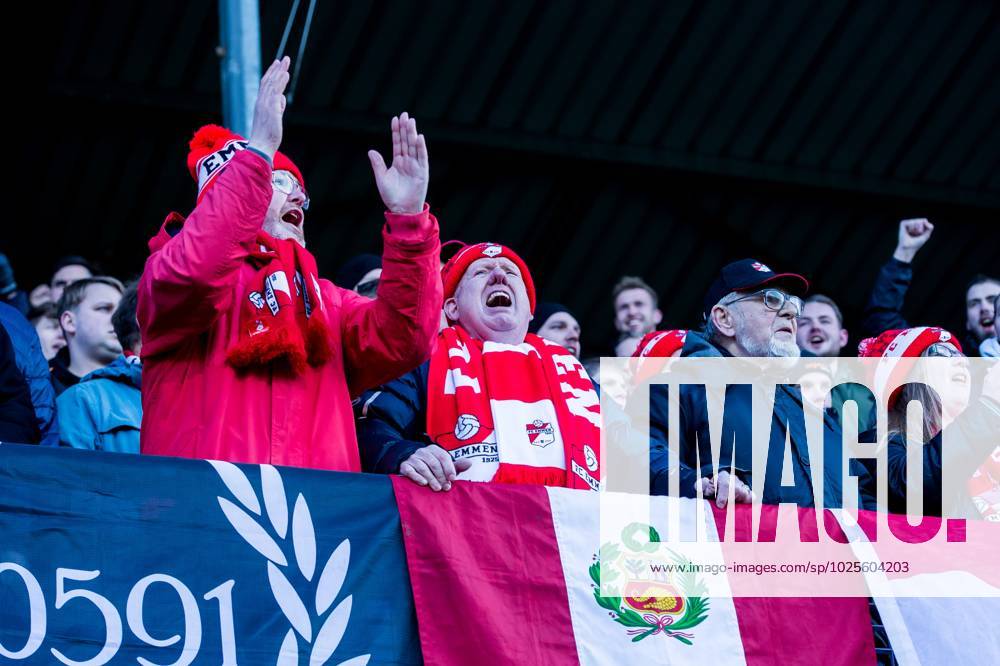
pixel 666 599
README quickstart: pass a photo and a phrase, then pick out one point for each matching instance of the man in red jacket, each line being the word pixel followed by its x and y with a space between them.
pixel 248 355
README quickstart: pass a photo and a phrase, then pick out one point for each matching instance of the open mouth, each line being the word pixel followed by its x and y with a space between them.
pixel 293 217
pixel 816 339
pixel 986 323
pixel 960 378
pixel 499 299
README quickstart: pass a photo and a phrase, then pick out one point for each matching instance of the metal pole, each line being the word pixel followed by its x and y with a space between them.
pixel 240 36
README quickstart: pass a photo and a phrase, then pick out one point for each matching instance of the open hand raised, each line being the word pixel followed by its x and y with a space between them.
pixel 269 108
pixel 403 186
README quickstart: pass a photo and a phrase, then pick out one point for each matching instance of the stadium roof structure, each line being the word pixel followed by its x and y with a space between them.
pixel 653 138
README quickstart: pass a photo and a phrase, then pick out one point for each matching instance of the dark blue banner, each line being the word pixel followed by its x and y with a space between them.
pixel 112 558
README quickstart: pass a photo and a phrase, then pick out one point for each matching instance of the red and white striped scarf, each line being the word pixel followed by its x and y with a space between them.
pixel 524 413
pixel 282 316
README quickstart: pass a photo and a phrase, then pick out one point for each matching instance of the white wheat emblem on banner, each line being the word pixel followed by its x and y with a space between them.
pixel 303 552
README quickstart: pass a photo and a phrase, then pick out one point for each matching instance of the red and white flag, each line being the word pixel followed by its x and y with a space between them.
pixel 510 574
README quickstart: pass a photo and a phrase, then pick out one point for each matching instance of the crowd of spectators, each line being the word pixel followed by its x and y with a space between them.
pixel 231 346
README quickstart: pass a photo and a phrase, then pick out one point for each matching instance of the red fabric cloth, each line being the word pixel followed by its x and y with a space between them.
pixel 491 583
pixel 798 630
pixel 487 581
pixel 197 405
pixel 524 398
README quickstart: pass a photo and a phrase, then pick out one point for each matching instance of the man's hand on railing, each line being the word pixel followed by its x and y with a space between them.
pixel 433 466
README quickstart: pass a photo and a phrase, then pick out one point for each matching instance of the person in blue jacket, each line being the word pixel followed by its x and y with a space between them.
pixel 752 311
pixel 884 311
pixel 31 363
pixel 103 411
pixel 17 417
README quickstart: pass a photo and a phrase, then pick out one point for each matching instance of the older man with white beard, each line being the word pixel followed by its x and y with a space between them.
pixel 751 311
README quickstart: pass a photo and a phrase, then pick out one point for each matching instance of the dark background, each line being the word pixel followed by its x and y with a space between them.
pixel 598 139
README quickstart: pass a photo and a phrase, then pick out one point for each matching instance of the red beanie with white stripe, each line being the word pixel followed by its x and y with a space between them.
pixel 211 149
pixel 897 344
pixel 453 271
pixel 653 351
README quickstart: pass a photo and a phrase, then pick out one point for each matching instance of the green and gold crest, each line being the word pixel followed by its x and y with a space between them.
pixel 655 589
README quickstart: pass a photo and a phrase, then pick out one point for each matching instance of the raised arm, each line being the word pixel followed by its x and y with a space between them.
pixel 885 306
pixel 388 336
pixel 189 280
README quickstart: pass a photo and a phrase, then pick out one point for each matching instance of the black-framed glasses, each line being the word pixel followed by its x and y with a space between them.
pixel 286 183
pixel 368 288
pixel 775 299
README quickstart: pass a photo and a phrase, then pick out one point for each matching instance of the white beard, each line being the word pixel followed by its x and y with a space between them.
pixel 771 349
pixel 280 231
pixel 783 349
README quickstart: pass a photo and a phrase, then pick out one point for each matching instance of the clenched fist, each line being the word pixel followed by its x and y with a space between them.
pixel 912 236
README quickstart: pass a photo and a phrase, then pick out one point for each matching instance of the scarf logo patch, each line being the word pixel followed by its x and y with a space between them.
pixel 466 427
pixel 257 300
pixel 540 433
pixel 590 457
pixel 276 282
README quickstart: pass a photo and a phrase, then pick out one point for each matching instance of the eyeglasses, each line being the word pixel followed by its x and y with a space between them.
pixel 775 299
pixel 286 183
pixel 368 288
pixel 943 350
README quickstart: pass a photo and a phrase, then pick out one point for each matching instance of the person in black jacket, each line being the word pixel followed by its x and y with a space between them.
pixel 884 309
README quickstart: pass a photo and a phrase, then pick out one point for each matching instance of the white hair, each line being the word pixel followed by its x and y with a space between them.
pixel 773 348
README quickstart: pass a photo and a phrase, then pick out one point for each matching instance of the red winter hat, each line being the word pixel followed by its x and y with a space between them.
pixel 653 350
pixel 453 271
pixel 213 146
pixel 900 343
pixel 660 343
